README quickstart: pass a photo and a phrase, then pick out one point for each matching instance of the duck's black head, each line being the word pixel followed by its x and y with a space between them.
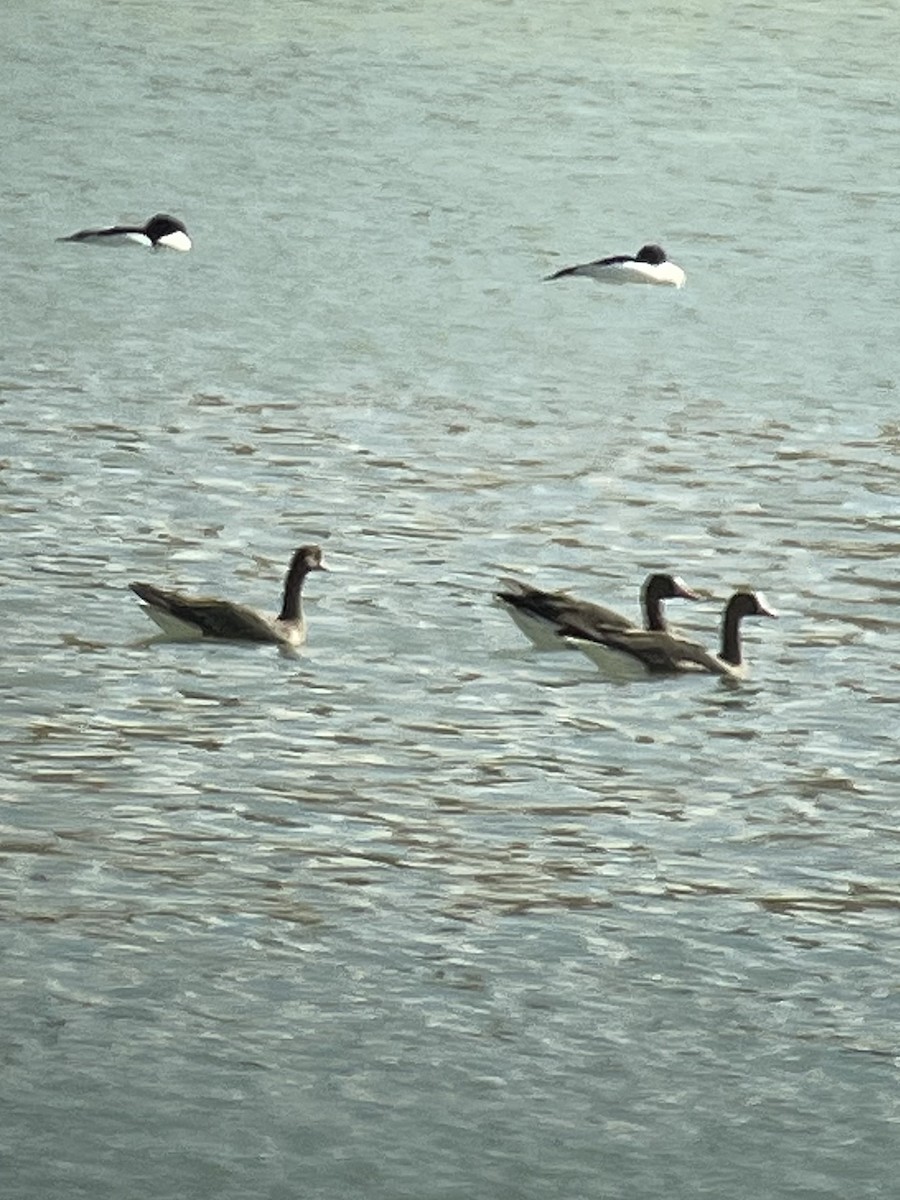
pixel 653 254
pixel 161 225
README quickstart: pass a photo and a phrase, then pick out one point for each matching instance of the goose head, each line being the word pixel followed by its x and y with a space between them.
pixel 750 604
pixel 742 604
pixel 668 587
pixel 663 587
pixel 303 560
pixel 309 558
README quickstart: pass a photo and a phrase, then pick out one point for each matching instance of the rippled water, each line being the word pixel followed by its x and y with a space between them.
pixel 421 912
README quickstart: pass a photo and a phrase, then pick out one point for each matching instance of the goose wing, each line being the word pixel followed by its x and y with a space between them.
pixel 213 618
pixel 658 652
pixel 559 608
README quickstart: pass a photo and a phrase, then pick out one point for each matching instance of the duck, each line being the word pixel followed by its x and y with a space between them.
pixel 160 231
pixel 184 617
pixel 633 653
pixel 649 265
pixel 542 616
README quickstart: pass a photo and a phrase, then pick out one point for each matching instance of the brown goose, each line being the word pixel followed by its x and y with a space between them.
pixel 190 617
pixel 543 616
pixel 638 652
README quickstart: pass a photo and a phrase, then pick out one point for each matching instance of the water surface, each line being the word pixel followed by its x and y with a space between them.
pixel 421 912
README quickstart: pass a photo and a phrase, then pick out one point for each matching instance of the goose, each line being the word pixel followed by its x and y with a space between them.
pixel 191 617
pixel 632 653
pixel 160 231
pixel 649 265
pixel 541 615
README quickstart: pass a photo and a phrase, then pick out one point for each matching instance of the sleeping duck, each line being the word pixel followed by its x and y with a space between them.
pixel 649 265
pixel 159 232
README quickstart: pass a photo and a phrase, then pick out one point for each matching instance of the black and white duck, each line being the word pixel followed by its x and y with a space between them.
pixel 160 231
pixel 649 265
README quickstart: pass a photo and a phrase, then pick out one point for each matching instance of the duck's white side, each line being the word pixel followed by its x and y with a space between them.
pixel 667 274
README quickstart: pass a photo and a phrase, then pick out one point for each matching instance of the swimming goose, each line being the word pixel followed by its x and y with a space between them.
pixel 160 231
pixel 191 617
pixel 614 651
pixel 542 615
pixel 649 265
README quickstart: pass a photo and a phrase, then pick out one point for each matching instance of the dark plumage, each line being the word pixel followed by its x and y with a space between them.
pixel 663 652
pixel 183 616
pixel 542 616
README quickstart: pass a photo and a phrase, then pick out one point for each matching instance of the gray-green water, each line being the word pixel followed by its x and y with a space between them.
pixel 422 913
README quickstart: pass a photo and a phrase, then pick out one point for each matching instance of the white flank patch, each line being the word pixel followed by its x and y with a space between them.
pixel 179 631
pixel 177 240
pixel 542 634
pixel 613 664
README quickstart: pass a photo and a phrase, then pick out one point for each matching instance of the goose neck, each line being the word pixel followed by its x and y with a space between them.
pixel 730 651
pixel 293 585
pixel 653 612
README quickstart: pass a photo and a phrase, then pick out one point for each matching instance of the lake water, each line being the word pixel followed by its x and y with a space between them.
pixel 422 913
